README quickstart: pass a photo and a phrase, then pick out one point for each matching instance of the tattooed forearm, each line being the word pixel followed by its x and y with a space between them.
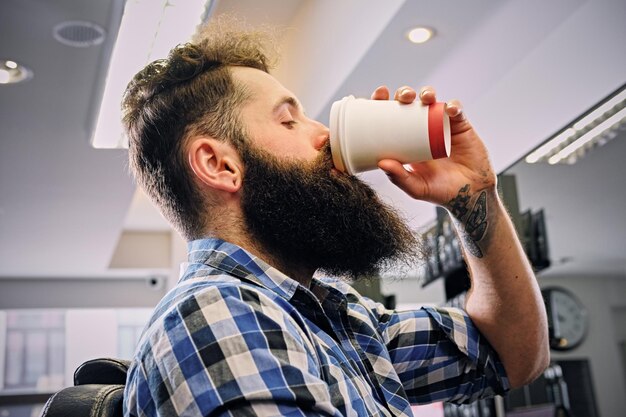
pixel 473 226
pixel 476 225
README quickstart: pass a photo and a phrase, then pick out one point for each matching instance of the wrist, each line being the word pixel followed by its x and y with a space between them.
pixel 465 202
pixel 474 214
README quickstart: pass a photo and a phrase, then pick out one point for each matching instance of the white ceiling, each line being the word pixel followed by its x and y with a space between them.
pixel 522 69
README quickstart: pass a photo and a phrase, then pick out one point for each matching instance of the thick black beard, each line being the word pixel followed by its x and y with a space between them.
pixel 305 215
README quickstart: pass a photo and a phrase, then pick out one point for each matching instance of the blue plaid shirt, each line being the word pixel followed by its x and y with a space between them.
pixel 237 337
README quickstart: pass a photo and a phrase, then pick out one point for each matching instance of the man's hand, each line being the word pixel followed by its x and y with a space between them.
pixel 504 301
pixel 440 181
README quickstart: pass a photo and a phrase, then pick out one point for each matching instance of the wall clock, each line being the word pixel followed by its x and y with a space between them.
pixel 567 318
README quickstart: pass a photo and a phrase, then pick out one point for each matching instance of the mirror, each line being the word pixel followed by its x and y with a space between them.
pixel 584 204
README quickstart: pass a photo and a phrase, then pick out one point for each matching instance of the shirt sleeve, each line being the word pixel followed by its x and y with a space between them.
pixel 229 351
pixel 440 355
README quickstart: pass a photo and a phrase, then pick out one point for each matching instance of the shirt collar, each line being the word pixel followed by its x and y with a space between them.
pixel 234 260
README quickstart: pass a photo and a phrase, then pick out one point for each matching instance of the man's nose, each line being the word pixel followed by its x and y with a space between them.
pixel 322 135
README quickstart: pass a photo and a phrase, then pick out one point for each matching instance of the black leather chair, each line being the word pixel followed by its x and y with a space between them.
pixel 97 392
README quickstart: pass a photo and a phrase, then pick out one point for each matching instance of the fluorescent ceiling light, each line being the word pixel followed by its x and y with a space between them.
pixel 587 137
pixel 570 143
pixel 599 112
pixel 549 146
pixel 149 29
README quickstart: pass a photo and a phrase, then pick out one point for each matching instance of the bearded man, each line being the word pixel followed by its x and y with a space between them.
pixel 232 161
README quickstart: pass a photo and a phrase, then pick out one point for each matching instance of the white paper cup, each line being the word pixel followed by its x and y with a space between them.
pixel 363 132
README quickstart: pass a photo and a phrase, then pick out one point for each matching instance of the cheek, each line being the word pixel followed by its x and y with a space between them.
pixel 297 149
pixel 287 145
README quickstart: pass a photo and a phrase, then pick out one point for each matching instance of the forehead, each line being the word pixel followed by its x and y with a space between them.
pixel 264 88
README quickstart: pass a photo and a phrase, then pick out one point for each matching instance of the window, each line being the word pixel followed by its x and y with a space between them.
pixel 34 356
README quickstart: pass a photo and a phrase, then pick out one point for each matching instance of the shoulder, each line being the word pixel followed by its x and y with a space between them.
pixel 217 337
pixel 218 309
pixel 239 303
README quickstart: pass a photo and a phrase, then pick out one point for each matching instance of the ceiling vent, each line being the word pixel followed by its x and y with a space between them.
pixel 79 34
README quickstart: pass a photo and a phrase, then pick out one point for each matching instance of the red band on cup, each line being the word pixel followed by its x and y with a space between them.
pixel 435 131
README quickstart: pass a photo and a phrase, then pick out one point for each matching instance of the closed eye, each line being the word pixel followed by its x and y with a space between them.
pixel 289 124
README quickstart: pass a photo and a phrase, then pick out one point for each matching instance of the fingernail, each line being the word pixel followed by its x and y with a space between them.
pixel 404 91
pixel 423 93
pixel 455 110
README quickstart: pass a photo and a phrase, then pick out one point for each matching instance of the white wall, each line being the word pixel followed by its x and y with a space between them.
pixel 410 293
pixel 89 334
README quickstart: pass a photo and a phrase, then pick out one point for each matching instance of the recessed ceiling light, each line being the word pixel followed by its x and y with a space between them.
pixel 420 34
pixel 12 73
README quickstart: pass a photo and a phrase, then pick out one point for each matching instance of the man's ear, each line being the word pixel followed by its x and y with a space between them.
pixel 215 163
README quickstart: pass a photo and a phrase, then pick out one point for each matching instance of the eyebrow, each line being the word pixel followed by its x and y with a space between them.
pixel 292 101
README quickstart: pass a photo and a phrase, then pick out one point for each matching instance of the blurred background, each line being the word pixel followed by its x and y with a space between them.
pixel 84 256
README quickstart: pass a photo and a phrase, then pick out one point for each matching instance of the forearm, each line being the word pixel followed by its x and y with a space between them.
pixel 504 301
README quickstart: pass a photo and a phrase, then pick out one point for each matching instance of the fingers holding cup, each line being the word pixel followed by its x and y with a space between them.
pixel 428 95
pixel 381 93
pixel 405 95
pixel 454 109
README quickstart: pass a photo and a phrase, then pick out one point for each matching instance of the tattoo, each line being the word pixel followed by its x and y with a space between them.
pixel 458 205
pixel 476 225
pixel 473 228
